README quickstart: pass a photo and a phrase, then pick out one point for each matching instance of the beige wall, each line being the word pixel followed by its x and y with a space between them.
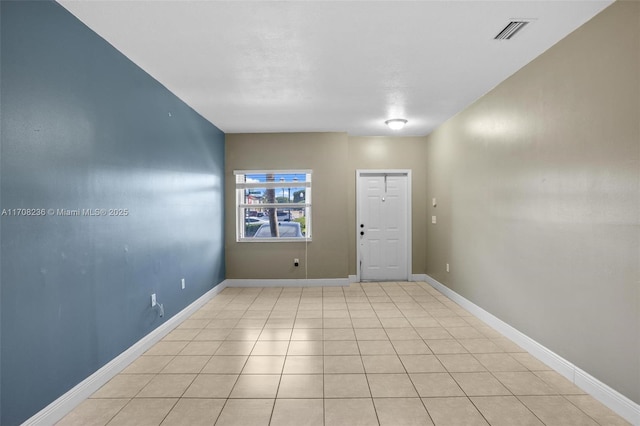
pixel 326 155
pixel 334 159
pixel 539 199
pixel 391 153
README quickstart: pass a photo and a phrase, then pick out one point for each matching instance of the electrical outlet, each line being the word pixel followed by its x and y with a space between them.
pixel 153 300
pixel 433 219
pixel 447 267
pixel 182 284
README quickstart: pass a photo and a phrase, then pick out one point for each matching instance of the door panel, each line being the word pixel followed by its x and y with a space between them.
pixel 383 210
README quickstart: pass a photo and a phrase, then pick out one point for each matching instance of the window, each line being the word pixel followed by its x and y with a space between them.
pixel 273 205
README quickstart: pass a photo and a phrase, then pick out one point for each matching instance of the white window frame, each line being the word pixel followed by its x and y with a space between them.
pixel 241 186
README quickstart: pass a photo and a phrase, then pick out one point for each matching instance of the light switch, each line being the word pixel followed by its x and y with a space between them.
pixel 433 202
pixel 433 219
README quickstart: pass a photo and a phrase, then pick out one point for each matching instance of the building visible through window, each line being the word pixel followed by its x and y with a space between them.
pixel 273 205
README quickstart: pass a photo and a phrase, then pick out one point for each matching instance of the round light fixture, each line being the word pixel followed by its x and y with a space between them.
pixel 396 123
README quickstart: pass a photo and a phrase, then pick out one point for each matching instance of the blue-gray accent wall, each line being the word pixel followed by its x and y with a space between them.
pixel 85 128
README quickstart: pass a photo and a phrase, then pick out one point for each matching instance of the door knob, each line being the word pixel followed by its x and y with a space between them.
pixel 361 232
pixel 362 225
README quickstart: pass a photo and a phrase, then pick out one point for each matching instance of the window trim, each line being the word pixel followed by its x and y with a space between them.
pixel 240 206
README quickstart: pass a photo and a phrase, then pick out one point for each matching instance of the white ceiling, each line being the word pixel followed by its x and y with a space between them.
pixel 346 66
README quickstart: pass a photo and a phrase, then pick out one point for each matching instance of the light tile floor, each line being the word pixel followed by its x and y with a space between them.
pixel 368 354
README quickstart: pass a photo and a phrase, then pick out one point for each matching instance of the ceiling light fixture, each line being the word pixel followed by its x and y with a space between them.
pixel 396 123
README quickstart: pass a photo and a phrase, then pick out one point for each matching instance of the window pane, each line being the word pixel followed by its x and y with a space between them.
pixel 260 218
pixel 290 223
pixel 275 195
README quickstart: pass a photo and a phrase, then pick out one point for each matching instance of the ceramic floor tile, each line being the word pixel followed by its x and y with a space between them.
pixel 225 364
pixel 556 411
pixel 423 321
pixel 394 323
pixel 464 333
pixel 167 348
pixel 596 410
pixel 341 347
pixel 148 364
pixel 376 347
pixel 445 346
pixel 143 412
pixel 391 386
pixel 433 333
pixel 123 386
pixel 508 345
pixel 93 412
pixel 559 383
pixel 460 363
pixel 303 364
pixel 350 412
pixel 505 411
pixel 298 412
pixel 302 323
pixel 500 362
pixel 256 386
pixel 366 323
pixel 371 334
pixel 346 386
pixel 267 364
pixel 435 385
pixel 211 386
pixel 411 347
pixel 301 386
pixel 246 412
pixel 480 384
pixel 480 346
pixel 307 334
pixel 339 334
pixel 336 323
pixel 232 347
pixel 167 386
pixel 186 364
pixel 201 348
pixel 193 323
pixel 453 412
pixel 213 334
pixel 401 411
pixel 184 335
pixel 249 334
pixel 336 364
pixel 279 323
pixel 382 364
pixel 396 334
pixel 194 412
pixel 524 383
pixel 266 347
pixel 421 364
pixel 530 362
pixel 275 334
pixel 305 347
pixel 276 352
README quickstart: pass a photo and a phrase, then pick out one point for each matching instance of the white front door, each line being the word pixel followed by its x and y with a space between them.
pixel 383 227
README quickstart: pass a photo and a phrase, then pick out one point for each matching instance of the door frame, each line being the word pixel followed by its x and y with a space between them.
pixel 359 174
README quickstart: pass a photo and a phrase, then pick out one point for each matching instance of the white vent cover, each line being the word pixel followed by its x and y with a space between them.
pixel 511 29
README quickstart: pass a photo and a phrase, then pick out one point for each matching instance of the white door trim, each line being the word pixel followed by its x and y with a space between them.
pixel 359 173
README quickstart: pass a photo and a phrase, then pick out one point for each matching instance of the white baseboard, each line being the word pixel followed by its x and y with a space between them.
pixel 613 399
pixel 353 279
pixel 418 277
pixel 315 282
pixel 59 408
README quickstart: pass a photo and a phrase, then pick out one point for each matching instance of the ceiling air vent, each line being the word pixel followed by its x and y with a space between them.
pixel 510 30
